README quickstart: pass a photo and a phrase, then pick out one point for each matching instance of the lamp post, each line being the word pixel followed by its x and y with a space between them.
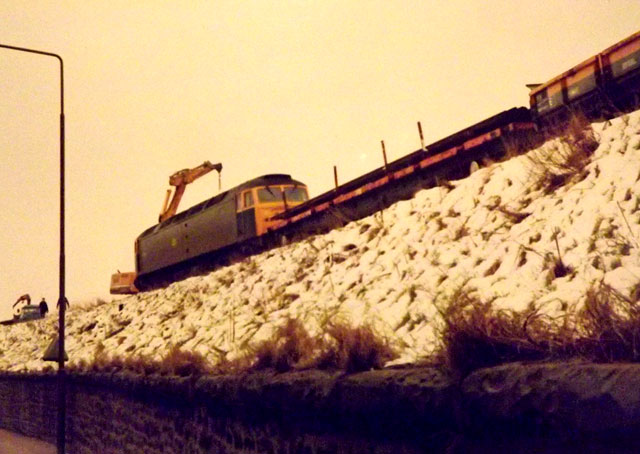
pixel 62 300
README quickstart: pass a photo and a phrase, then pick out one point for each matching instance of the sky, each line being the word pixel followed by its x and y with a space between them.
pixel 261 87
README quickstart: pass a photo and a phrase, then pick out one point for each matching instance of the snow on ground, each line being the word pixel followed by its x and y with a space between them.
pixel 392 269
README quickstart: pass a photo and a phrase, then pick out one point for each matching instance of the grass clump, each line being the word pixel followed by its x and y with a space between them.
pixel 556 264
pixel 341 347
pixel 566 159
pixel 580 137
pixel 184 363
pixel 609 328
pixel 290 347
pixel 475 334
pixel 515 217
pixel 354 349
pixel 175 362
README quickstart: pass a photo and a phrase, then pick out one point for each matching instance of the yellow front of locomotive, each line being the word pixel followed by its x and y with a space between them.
pixel 273 200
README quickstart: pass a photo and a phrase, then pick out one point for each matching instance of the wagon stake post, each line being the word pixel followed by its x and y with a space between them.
pixel 384 154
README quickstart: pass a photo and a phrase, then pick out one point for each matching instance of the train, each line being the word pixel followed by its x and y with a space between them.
pixel 265 211
pixel 239 216
pixel 601 86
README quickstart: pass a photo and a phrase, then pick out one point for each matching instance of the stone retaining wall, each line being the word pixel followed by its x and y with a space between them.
pixel 510 408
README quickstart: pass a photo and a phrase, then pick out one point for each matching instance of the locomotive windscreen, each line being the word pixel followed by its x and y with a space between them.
pixel 274 194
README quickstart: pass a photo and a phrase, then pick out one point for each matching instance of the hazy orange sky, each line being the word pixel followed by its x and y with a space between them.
pixel 296 87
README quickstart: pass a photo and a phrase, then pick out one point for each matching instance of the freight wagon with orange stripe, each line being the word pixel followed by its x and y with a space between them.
pixel 602 86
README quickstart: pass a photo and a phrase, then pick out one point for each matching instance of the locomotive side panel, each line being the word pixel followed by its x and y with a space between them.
pixel 246 224
pixel 160 248
pixel 202 228
pixel 213 228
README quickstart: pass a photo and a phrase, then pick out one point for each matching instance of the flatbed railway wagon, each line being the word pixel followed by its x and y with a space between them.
pixel 450 158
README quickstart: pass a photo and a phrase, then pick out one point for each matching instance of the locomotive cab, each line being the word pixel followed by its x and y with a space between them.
pixel 258 205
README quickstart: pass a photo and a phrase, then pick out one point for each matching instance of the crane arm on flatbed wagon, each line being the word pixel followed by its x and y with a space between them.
pixel 180 180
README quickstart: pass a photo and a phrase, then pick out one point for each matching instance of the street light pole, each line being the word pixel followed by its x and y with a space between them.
pixel 62 300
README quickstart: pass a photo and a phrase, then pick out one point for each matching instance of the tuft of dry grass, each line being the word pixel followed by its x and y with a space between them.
pixel 184 363
pixel 515 217
pixel 580 137
pixel 176 362
pixel 341 347
pixel 555 264
pixel 475 334
pixel 354 349
pixel 555 165
pixel 520 144
pixel 609 328
pixel 290 346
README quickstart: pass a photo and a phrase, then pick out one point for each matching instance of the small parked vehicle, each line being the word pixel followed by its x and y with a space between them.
pixel 29 312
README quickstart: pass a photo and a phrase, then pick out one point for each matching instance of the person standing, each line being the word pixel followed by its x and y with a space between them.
pixel 44 308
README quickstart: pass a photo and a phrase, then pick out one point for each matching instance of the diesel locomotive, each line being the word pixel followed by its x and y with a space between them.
pixel 232 218
pixel 255 213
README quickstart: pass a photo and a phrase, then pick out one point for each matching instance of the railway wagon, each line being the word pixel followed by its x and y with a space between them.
pixel 232 217
pixel 602 86
pixel 448 158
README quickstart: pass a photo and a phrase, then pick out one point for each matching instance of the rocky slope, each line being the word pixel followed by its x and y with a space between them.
pixel 497 233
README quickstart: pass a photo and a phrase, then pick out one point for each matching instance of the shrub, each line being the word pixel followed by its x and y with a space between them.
pixel 175 362
pixel 290 346
pixel 609 325
pixel 474 334
pixel 342 347
pixel 184 363
pixel 354 349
